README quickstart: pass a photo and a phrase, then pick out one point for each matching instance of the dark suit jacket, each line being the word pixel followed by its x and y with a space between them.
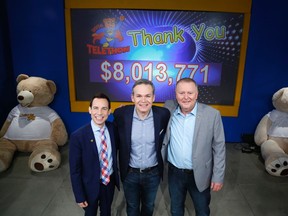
pixel 123 118
pixel 85 165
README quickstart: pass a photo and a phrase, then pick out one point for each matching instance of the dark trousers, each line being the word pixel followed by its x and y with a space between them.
pixel 104 200
pixel 141 188
pixel 180 181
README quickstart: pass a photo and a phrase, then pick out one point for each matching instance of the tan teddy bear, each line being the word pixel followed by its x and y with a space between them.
pixel 272 135
pixel 33 127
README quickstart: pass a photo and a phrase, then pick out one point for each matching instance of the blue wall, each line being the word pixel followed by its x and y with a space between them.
pixel 36 36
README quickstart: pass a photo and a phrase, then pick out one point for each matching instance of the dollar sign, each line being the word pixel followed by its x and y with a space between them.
pixel 107 73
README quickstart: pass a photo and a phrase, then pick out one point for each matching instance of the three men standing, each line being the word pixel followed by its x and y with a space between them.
pixel 196 152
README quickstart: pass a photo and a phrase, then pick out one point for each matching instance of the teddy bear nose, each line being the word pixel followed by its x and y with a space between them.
pixel 20 97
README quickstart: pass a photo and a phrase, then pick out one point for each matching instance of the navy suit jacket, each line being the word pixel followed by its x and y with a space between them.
pixel 85 165
pixel 123 118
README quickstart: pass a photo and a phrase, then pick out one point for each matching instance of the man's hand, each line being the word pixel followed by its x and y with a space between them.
pixel 216 186
pixel 83 204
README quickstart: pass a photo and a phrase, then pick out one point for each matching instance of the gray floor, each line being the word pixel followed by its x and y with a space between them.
pixel 248 190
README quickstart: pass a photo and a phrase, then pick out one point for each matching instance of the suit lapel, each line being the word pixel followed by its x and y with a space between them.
pixel 171 107
pixel 157 126
pixel 92 141
pixel 128 123
pixel 197 125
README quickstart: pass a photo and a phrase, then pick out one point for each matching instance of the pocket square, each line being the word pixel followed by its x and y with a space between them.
pixel 161 131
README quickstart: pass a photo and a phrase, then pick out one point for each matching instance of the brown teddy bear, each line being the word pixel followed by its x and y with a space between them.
pixel 272 135
pixel 33 127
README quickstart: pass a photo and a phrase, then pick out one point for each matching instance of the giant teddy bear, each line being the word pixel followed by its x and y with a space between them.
pixel 272 135
pixel 33 127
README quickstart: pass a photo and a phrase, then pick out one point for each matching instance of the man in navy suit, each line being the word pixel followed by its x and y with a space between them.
pixel 86 162
pixel 141 129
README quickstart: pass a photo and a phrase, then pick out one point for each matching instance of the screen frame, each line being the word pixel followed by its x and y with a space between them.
pixel 237 6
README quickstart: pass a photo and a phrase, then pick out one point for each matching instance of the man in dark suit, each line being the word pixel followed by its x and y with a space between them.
pixel 93 160
pixel 141 129
pixel 196 150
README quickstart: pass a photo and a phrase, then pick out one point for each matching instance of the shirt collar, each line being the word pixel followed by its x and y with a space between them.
pixel 193 111
pixel 150 114
pixel 95 127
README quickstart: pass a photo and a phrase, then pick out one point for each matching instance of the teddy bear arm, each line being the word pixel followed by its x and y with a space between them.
pixel 4 128
pixel 261 133
pixel 59 133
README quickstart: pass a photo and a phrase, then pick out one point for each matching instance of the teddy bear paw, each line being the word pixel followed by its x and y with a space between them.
pixel 2 166
pixel 278 167
pixel 44 161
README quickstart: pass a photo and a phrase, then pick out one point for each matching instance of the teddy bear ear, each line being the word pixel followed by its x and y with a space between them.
pixel 52 86
pixel 21 77
pixel 278 94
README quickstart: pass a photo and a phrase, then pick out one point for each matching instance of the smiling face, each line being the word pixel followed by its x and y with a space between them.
pixel 186 95
pixel 109 23
pixel 143 98
pixel 99 111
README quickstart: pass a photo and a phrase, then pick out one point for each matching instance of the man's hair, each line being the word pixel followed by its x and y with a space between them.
pixel 145 82
pixel 187 80
pixel 100 96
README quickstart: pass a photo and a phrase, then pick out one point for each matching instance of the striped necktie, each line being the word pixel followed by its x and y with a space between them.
pixel 105 178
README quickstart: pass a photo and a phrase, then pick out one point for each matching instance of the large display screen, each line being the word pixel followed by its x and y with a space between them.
pixel 112 48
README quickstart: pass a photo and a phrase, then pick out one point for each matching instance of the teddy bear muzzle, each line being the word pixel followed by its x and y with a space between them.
pixel 25 98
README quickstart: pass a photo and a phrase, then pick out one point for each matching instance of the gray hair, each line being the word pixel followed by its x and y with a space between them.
pixel 145 82
pixel 187 80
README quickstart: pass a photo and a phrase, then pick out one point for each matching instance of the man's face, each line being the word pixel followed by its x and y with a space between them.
pixel 99 111
pixel 143 98
pixel 109 23
pixel 186 95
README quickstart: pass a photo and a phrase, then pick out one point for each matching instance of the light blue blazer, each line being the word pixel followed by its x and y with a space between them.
pixel 209 150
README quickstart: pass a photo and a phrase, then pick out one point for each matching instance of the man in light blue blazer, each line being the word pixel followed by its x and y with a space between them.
pixel 196 150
